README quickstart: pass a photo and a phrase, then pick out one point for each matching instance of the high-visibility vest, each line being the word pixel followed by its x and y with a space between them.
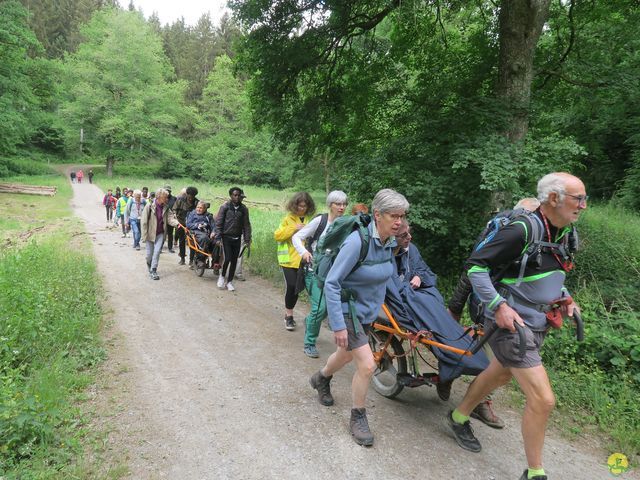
pixel 283 253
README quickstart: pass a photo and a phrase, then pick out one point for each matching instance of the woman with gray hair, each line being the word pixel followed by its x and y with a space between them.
pixel 132 215
pixel 305 241
pixel 366 283
pixel 155 218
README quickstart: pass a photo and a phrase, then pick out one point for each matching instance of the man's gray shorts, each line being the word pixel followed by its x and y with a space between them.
pixel 356 340
pixel 506 348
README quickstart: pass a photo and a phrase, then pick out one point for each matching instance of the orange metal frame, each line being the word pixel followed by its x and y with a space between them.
pixel 191 241
pixel 397 330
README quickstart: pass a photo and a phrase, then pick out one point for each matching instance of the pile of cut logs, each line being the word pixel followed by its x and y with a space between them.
pixel 27 189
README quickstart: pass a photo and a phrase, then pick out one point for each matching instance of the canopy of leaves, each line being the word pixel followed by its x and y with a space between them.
pixel 119 91
pixel 404 96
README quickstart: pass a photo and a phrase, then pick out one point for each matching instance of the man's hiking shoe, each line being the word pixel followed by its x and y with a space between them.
pixel 181 262
pixel 220 282
pixel 171 250
pixel 289 323
pixel 230 287
pixel 359 427
pixel 321 384
pixel 484 413
pixel 138 247
pixel 311 351
pixel 154 275
pixel 525 476
pixel 444 390
pixel 463 433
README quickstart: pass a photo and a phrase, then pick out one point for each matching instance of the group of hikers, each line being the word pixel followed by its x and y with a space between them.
pixel 158 217
pixel 76 177
pixel 515 275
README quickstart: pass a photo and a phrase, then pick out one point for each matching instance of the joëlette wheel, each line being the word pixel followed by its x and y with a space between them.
pixel 393 362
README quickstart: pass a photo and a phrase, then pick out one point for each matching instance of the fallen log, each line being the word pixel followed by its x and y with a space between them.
pixel 252 202
pixel 27 189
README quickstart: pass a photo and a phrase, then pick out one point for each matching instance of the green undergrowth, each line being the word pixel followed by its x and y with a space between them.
pixel 50 338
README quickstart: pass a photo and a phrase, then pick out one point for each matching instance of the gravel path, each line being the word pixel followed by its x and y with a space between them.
pixel 206 384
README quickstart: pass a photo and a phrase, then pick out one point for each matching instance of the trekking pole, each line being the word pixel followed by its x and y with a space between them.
pixel 522 339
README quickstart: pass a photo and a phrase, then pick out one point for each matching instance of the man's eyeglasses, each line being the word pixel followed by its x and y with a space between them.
pixel 404 235
pixel 582 199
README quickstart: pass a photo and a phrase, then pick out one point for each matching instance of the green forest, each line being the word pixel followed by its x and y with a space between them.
pixel 461 106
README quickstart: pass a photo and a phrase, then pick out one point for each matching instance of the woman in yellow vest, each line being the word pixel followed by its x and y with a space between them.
pixel 301 208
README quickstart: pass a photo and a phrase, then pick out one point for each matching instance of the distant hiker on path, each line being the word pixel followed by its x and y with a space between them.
pixel 155 218
pixel 80 175
pixel 132 215
pixel 232 222
pixel 300 208
pixel 184 204
pixel 90 175
pixel 305 242
pixel 109 202
pixel 72 175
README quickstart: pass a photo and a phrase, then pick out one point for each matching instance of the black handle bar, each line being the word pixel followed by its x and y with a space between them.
pixel 579 325
pixel 522 339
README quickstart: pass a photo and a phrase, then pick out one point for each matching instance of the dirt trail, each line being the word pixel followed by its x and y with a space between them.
pixel 208 384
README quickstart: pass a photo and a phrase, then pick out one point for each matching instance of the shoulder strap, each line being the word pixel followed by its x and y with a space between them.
pixel 324 218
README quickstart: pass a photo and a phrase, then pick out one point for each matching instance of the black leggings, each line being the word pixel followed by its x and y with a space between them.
pixel 290 280
pixel 231 252
pixel 109 212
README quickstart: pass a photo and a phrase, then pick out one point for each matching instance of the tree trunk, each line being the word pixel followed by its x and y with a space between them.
pixel 521 23
pixel 110 162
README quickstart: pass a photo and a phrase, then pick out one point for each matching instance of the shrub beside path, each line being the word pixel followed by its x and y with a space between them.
pixel 204 384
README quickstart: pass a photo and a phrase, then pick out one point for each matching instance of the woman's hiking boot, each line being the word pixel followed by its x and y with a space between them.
pixel 484 413
pixel 321 384
pixel 181 262
pixel 463 433
pixel 289 323
pixel 359 427
pixel 154 275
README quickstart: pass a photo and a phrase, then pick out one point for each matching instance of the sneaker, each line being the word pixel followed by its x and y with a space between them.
pixel 124 235
pixel 311 351
pixel 220 281
pixel 525 476
pixel 289 323
pixel 322 385
pixel 154 275
pixel 463 433
pixel 444 390
pixel 138 247
pixel 181 262
pixel 359 427
pixel 484 413
pixel 171 250
pixel 230 287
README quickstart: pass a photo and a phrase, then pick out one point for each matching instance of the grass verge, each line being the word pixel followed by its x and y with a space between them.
pixel 50 338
